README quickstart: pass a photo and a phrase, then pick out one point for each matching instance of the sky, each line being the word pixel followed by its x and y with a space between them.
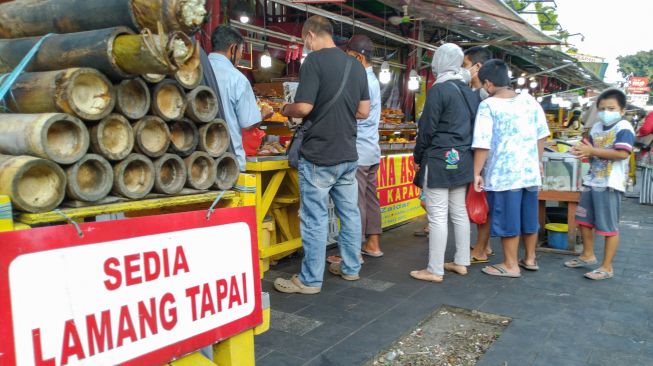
pixel 611 28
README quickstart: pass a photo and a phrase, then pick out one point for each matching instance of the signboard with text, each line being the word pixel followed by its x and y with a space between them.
pixel 638 85
pixel 139 291
pixel 398 195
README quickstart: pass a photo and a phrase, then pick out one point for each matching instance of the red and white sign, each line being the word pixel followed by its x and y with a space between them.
pixel 139 291
pixel 638 85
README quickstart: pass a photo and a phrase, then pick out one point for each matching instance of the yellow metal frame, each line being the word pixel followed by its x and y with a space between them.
pixel 235 351
pixel 276 198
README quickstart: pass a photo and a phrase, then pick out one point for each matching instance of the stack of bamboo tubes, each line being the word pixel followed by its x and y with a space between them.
pixel 82 121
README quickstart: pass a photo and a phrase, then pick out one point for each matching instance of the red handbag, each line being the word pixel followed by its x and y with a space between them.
pixel 477 206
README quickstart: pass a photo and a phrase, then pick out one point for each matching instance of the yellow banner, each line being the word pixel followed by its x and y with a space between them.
pixel 398 195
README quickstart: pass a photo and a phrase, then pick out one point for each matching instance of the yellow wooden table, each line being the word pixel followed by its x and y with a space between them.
pixel 274 187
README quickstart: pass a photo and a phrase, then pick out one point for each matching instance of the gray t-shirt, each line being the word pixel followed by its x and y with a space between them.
pixel 332 138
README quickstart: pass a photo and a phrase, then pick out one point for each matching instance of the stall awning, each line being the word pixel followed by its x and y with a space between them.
pixel 482 20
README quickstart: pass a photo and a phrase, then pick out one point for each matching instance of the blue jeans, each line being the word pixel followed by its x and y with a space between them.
pixel 316 184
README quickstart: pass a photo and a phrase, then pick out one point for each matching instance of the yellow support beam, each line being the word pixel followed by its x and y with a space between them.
pixel 280 248
pixel 270 192
pixel 236 351
pixel 130 206
pixel 194 359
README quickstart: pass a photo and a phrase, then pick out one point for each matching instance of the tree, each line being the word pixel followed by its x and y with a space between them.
pixel 639 64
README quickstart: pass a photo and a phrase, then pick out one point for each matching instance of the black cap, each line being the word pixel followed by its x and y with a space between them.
pixel 362 44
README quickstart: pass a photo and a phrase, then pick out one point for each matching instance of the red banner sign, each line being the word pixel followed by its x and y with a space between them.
pixel 638 85
pixel 398 196
pixel 139 291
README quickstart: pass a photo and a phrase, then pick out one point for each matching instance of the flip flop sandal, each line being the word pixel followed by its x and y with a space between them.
pixel 477 261
pixel 294 286
pixel 421 233
pixel 336 269
pixel 491 253
pixel 599 275
pixel 372 254
pixel 426 277
pixel 523 265
pixel 338 259
pixel 452 267
pixel 500 272
pixel 577 262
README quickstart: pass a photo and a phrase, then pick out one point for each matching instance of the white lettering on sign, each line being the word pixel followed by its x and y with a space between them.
pixel 106 303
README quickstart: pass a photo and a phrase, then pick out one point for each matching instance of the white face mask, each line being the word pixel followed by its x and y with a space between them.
pixel 484 94
pixel 609 117
pixel 467 76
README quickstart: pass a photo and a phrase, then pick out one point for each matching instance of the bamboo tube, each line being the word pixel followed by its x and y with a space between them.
pixel 227 172
pixel 133 98
pixel 201 104
pixel 55 136
pixel 169 174
pixel 116 52
pixel 133 177
pixel 184 137
pixel 112 138
pixel 190 78
pixel 82 92
pixel 153 78
pixel 201 170
pixel 152 136
pixel 168 100
pixel 33 184
pixel 90 179
pixel 38 17
pixel 93 49
pixel 214 138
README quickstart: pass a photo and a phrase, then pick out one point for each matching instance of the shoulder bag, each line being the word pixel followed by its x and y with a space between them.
pixel 294 150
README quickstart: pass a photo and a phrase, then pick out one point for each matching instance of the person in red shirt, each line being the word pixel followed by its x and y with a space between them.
pixel 647 127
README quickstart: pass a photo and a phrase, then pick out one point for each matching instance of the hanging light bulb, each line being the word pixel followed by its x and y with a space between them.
pixel 385 75
pixel 540 99
pixel 266 59
pixel 244 18
pixel 413 81
pixel 533 84
pixel 521 81
pixel 510 74
pixel 518 91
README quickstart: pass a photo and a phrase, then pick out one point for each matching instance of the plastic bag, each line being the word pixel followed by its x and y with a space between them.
pixel 477 206
pixel 252 139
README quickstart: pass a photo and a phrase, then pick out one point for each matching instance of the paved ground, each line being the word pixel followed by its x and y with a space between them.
pixel 559 317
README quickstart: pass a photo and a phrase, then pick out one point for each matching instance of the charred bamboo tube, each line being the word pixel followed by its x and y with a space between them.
pixel 184 137
pixel 82 92
pixel 201 104
pixel 92 49
pixel 168 100
pixel 34 18
pixel 133 177
pixel 116 52
pixel 90 179
pixel 112 138
pixel 133 98
pixel 201 170
pixel 56 136
pixel 33 184
pixel 227 172
pixel 214 138
pixel 152 136
pixel 169 174
pixel 190 78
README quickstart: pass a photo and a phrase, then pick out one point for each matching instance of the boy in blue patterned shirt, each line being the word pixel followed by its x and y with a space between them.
pixel 611 142
pixel 509 138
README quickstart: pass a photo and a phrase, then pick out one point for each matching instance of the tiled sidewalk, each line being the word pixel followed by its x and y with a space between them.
pixel 559 317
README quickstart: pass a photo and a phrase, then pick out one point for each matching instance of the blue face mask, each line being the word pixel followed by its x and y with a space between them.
pixel 609 117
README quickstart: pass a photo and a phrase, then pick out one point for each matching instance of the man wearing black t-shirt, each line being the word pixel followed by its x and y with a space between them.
pixel 328 161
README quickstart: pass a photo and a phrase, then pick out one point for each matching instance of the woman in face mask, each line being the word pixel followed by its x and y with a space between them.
pixel 444 161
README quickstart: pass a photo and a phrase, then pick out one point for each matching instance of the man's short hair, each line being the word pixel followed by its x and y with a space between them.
pixel 224 36
pixel 615 94
pixel 496 71
pixel 319 25
pixel 478 54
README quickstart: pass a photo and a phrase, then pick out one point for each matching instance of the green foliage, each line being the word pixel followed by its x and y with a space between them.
pixel 517 5
pixel 548 17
